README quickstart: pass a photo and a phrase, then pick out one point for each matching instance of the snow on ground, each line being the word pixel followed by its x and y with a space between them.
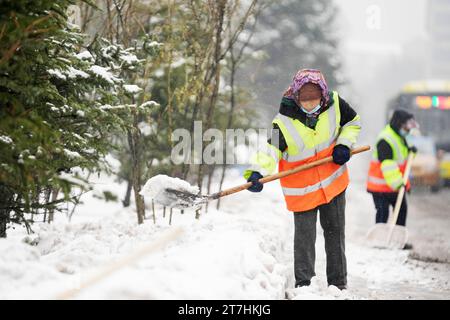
pixel 242 251
pixel 222 255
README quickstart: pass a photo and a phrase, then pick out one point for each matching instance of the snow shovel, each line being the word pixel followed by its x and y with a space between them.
pixel 184 199
pixel 390 235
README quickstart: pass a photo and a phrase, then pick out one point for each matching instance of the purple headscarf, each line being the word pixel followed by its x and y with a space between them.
pixel 304 76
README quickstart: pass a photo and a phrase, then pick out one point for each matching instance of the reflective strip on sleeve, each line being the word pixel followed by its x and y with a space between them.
pixel 263 163
pixel 396 184
pixel 273 151
pixel 389 167
pixel 393 176
pixel 265 159
pixel 349 132
pixel 355 122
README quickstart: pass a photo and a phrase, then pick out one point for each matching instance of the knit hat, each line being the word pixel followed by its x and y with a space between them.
pixel 399 118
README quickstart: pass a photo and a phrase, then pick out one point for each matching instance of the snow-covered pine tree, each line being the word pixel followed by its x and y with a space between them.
pixel 132 64
pixel 60 106
pixel 177 71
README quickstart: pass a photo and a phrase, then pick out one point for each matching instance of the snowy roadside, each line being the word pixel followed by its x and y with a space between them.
pixel 243 251
pixel 224 255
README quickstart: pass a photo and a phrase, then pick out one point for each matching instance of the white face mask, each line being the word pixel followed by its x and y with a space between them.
pixel 407 129
pixel 316 108
pixel 404 133
pixel 407 136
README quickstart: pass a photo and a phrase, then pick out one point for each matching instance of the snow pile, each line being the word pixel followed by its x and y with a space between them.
pixel 223 255
pixel 157 186
pixel 319 290
pixel 216 257
pixel 21 265
pixel 243 251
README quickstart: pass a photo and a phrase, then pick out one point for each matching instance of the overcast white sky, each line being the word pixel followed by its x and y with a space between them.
pixel 376 41
pixel 400 20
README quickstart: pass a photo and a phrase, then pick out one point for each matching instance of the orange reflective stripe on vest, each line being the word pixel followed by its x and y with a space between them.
pixel 313 187
pixel 386 177
pixel 376 181
pixel 310 188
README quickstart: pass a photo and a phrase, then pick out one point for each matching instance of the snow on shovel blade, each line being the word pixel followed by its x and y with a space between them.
pixel 172 192
pixel 183 199
pixel 379 236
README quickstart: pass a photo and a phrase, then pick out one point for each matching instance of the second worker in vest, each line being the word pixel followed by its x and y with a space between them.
pixel 312 123
pixel 388 166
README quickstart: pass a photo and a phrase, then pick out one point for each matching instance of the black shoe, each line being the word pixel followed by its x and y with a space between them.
pixel 408 246
pixel 304 283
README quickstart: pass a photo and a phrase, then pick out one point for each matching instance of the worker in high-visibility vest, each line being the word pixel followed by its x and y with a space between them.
pixel 388 165
pixel 312 123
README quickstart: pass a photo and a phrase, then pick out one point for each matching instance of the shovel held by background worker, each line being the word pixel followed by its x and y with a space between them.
pixel 176 193
pixel 391 235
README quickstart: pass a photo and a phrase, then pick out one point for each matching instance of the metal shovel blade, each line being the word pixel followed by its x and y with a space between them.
pixel 380 236
pixel 180 199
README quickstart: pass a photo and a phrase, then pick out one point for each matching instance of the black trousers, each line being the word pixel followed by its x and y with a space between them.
pixel 382 203
pixel 332 220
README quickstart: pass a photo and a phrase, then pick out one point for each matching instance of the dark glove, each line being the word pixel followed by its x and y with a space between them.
pixel 412 149
pixel 256 186
pixel 341 154
pixel 406 190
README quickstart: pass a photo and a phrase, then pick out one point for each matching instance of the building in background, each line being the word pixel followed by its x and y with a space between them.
pixel 438 27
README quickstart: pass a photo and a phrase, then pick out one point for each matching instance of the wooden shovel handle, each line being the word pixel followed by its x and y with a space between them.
pixel 393 220
pixel 401 191
pixel 283 174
